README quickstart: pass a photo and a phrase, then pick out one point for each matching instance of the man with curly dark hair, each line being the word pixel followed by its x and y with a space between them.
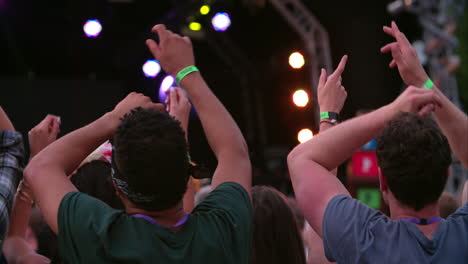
pixel 150 170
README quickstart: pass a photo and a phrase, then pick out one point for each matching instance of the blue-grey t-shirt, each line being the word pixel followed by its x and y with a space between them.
pixel 355 233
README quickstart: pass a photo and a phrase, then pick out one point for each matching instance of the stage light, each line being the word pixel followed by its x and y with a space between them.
pixel 205 9
pixel 92 28
pixel 221 21
pixel 304 135
pixel 151 68
pixel 195 26
pixel 296 60
pixel 300 98
pixel 166 84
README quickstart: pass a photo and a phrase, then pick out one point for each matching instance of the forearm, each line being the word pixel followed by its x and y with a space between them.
pixel 325 126
pixel 5 123
pixel 330 149
pixel 221 130
pixel 454 124
pixel 67 153
pixel 19 218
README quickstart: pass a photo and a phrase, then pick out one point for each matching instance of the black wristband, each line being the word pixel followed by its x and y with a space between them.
pixel 329 115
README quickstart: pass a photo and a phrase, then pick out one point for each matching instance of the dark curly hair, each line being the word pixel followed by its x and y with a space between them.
pixel 276 236
pixel 414 157
pixel 151 152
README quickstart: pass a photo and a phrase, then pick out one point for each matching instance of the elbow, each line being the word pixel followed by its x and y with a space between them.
pixel 33 169
pixel 293 157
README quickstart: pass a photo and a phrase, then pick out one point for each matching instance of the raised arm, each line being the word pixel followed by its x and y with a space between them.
pixel 47 172
pixel 224 136
pixel 179 107
pixel 11 164
pixel 452 121
pixel 15 248
pixel 310 163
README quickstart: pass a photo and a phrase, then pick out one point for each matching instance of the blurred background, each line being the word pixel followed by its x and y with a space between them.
pixel 77 59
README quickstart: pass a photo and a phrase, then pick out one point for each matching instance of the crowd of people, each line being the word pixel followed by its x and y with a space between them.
pixel 123 189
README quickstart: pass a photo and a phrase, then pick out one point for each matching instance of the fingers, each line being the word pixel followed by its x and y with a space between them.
pixel 187 39
pixel 55 128
pixel 339 70
pixel 159 107
pixel 153 47
pixel 400 37
pixel 426 110
pixel 173 99
pixel 323 78
pixel 396 54
pixel 388 30
pixel 392 64
pixel 162 32
pixel 388 47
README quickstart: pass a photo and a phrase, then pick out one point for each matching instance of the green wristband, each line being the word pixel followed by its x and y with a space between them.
pixel 428 84
pixel 184 72
pixel 329 115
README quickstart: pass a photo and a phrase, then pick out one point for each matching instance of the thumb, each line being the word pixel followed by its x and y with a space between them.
pixel 427 109
pixel 153 47
pixel 323 78
pixel 173 98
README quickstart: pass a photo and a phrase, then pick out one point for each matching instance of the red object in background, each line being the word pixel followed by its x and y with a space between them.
pixel 365 164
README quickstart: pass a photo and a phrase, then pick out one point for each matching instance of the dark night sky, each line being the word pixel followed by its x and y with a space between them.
pixel 115 58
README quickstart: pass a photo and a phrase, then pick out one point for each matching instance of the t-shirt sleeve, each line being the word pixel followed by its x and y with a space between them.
pixel 346 228
pixel 462 211
pixel 230 198
pixel 81 220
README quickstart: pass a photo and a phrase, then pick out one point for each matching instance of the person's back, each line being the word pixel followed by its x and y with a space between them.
pixel 217 231
pixel 413 156
pixel 150 171
pixel 377 239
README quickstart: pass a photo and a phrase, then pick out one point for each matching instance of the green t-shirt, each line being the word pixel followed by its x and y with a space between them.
pixel 217 231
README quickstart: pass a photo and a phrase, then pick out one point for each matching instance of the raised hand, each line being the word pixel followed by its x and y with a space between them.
pixel 331 95
pixel 179 106
pixel 132 101
pixel 173 52
pixel 404 57
pixel 43 134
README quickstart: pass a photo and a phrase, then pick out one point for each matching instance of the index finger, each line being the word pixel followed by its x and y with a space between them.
pixel 339 70
pixel 162 32
pixel 400 37
pixel 47 121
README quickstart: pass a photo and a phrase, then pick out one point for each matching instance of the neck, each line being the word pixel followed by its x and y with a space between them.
pixel 398 211
pixel 167 217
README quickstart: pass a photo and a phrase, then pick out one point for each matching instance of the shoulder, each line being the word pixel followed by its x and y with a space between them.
pixel 228 200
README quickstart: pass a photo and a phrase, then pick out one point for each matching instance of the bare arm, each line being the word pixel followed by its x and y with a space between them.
pixel 331 95
pixel 452 121
pixel 16 248
pixel 179 107
pixel 310 163
pixel 224 136
pixel 47 172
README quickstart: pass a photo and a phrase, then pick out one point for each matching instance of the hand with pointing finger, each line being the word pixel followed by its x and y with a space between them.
pixel 331 94
pixel 173 51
